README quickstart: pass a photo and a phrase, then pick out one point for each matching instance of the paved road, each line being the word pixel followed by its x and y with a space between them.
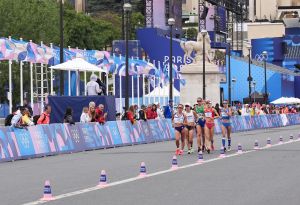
pixel 267 176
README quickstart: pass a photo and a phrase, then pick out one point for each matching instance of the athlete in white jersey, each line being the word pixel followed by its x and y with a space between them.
pixel 179 121
pixel 191 118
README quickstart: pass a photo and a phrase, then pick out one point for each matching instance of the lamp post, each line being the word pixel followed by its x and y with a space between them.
pixel 233 80
pixel 265 54
pixel 127 9
pixel 204 33
pixel 249 47
pixel 61 48
pixel 229 70
pixel 171 22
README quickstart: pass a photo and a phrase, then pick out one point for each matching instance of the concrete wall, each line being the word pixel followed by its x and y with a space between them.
pixel 265 30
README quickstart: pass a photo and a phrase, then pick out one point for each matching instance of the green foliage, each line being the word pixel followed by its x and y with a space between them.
pixel 191 33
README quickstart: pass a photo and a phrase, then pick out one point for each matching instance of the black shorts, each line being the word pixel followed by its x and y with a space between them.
pixel 179 129
pixel 190 127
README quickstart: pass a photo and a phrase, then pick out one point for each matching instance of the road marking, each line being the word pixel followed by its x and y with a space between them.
pixel 82 191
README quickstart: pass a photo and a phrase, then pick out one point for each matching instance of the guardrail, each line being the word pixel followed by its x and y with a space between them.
pixel 45 140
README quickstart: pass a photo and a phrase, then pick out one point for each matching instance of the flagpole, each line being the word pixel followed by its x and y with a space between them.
pixel 132 90
pixel 107 83
pixel 143 89
pixel 148 98
pixel 138 90
pixel 69 78
pixel 51 73
pixel 120 104
pixel 21 81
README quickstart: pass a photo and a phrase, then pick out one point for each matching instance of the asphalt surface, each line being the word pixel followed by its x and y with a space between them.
pixel 269 176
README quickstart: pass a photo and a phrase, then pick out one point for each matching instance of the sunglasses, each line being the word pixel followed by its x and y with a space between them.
pixel 180 107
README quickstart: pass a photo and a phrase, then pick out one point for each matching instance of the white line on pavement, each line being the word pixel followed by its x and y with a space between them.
pixel 82 191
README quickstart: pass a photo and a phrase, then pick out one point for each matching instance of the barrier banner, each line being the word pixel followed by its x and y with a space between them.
pixel 156 134
pixel 23 142
pixel 88 132
pixel 73 133
pixel 164 129
pixel 136 132
pixel 124 131
pixel 64 142
pixel 8 149
pixel 170 127
pixel 110 129
pixel 146 131
pixel 42 141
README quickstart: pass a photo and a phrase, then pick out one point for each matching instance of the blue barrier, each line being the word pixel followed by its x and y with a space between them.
pixel 44 140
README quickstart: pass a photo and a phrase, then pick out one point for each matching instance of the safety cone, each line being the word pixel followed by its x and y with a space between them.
pixel 103 179
pixel 143 171
pixel 240 150
pixel 222 153
pixel 174 163
pixel 291 137
pixel 280 140
pixel 256 144
pixel 47 192
pixel 200 157
pixel 269 142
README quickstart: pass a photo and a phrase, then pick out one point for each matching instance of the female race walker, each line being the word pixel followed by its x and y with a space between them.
pixel 210 114
pixel 226 113
pixel 179 120
pixel 191 118
pixel 199 108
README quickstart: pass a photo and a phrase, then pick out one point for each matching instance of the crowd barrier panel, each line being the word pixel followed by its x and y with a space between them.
pixel 53 139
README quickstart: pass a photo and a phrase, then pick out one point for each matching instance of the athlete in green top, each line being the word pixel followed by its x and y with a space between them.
pixel 199 108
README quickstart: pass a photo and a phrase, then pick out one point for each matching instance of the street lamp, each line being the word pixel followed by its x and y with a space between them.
pixel 233 80
pixel 229 69
pixel 171 23
pixel 204 33
pixel 265 54
pixel 127 9
pixel 61 48
pixel 249 47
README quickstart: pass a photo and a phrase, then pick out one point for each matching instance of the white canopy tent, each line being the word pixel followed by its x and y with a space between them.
pixel 286 101
pixel 163 92
pixel 76 64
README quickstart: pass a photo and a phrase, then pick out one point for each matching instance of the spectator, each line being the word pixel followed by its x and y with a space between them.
pixel 130 114
pixel 84 118
pixel 45 116
pixel 136 114
pixel 160 113
pixel 92 87
pixel 168 110
pixel 246 110
pixel 26 105
pixel 26 120
pixel 16 120
pixel 92 112
pixel 152 113
pixel 68 118
pixel 102 87
pixel 100 114
pixel 142 113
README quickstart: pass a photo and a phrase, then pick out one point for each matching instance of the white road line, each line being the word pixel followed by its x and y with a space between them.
pixel 82 191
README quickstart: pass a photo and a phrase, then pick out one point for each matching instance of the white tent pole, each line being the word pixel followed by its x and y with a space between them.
pixel 154 96
pixel 100 76
pixel 159 91
pixel 143 89
pixel 85 83
pixel 106 83
pixel 120 94
pixel 148 98
pixel 10 83
pixel 31 84
pixel 21 81
pixel 138 90
pixel 77 82
pixel 51 73
pixel 114 84
pixel 69 83
pixel 132 90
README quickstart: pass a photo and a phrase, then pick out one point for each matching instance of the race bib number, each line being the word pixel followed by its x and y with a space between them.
pixel 208 114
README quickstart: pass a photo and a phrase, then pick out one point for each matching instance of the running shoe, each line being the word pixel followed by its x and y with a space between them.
pixel 180 152
pixel 229 148
pixel 189 151
pixel 203 148
pixel 177 152
pixel 225 149
pixel 199 149
pixel 208 151
pixel 212 147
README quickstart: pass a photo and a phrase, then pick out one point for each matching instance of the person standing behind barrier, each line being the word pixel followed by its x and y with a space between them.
pixel 45 116
pixel 68 118
pixel 151 113
pixel 246 110
pixel 142 113
pixel 92 87
pixel 92 112
pixel 84 118
pixel 178 121
pixel 168 110
pixel 199 109
pixel 160 113
pixel 100 114
pixel 26 120
pixel 130 114
pixel 210 115
pixel 226 113
pixel 191 118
